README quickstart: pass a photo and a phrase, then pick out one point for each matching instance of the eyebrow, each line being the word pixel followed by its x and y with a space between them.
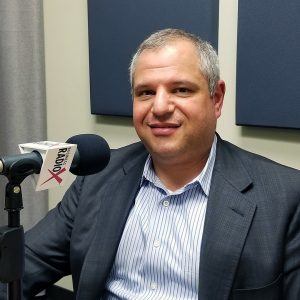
pixel 187 83
pixel 141 86
pixel 172 83
pixel 183 82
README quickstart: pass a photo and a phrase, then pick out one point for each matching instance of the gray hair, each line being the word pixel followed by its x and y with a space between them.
pixel 208 58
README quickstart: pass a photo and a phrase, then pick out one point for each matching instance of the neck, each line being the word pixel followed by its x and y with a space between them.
pixel 175 173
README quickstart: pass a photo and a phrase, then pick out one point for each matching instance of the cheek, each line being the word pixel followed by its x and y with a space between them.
pixel 140 111
pixel 199 116
pixel 193 112
pixel 136 120
pixel 136 113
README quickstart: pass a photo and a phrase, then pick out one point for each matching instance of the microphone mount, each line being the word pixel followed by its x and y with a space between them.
pixel 16 168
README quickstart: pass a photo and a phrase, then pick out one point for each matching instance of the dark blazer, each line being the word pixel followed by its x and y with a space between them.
pixel 251 239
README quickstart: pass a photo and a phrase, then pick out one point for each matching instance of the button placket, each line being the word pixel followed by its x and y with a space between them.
pixel 166 203
pixel 156 243
pixel 153 285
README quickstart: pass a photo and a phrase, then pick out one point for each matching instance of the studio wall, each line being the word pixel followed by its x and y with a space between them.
pixel 67 82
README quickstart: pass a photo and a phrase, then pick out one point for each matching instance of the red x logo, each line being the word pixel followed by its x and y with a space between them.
pixel 55 175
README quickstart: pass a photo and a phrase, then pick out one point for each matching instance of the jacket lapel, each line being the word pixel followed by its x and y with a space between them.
pixel 119 198
pixel 228 219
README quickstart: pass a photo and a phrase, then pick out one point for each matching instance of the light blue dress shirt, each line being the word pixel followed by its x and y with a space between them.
pixel 159 252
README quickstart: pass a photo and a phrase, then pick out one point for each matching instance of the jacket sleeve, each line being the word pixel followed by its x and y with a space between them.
pixel 2 291
pixel 292 258
pixel 47 245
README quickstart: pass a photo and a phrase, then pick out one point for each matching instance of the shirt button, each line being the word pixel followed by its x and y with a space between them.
pixel 166 203
pixel 153 286
pixel 156 244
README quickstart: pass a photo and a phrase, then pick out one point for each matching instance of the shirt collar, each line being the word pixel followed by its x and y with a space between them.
pixel 204 178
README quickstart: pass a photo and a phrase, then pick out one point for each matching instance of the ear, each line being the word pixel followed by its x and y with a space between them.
pixel 218 97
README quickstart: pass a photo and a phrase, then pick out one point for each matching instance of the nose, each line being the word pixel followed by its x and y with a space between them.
pixel 162 104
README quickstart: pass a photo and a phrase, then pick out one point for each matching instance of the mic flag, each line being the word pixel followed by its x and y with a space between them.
pixel 57 159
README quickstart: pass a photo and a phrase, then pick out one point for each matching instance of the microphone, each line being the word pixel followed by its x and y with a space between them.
pixel 92 155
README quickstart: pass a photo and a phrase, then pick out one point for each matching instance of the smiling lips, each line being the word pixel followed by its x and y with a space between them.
pixel 163 129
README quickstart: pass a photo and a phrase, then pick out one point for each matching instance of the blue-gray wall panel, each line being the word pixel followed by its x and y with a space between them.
pixel 116 27
pixel 268 63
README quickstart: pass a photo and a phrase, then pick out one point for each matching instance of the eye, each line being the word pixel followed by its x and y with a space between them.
pixel 145 93
pixel 182 91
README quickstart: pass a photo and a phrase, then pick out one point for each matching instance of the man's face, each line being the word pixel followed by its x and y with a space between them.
pixel 173 112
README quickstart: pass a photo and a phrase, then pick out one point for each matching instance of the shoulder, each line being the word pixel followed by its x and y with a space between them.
pixel 265 173
pixel 121 159
pixel 127 157
pixel 272 187
pixel 128 151
pixel 252 160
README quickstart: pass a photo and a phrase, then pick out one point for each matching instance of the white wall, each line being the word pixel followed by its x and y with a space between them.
pixel 67 83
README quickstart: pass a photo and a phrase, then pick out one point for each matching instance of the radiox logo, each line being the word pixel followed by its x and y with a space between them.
pixel 59 165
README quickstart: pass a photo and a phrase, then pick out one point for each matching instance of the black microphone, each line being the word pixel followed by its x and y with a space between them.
pixel 92 156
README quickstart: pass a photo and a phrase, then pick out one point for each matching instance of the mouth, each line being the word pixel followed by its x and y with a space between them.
pixel 163 129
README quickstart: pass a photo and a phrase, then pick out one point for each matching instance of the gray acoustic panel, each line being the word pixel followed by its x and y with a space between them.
pixel 268 63
pixel 116 28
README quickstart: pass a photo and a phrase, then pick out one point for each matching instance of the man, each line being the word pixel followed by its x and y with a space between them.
pixel 182 215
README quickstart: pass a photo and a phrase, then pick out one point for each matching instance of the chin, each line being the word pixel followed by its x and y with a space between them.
pixel 165 151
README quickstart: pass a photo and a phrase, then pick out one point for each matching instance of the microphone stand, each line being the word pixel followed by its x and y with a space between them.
pixel 12 235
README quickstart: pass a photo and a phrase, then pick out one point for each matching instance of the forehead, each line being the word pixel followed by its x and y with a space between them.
pixel 181 50
pixel 176 59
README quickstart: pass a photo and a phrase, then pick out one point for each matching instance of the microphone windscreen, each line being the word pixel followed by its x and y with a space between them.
pixel 93 152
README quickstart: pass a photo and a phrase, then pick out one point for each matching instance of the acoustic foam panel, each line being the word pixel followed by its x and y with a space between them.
pixel 116 28
pixel 268 63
